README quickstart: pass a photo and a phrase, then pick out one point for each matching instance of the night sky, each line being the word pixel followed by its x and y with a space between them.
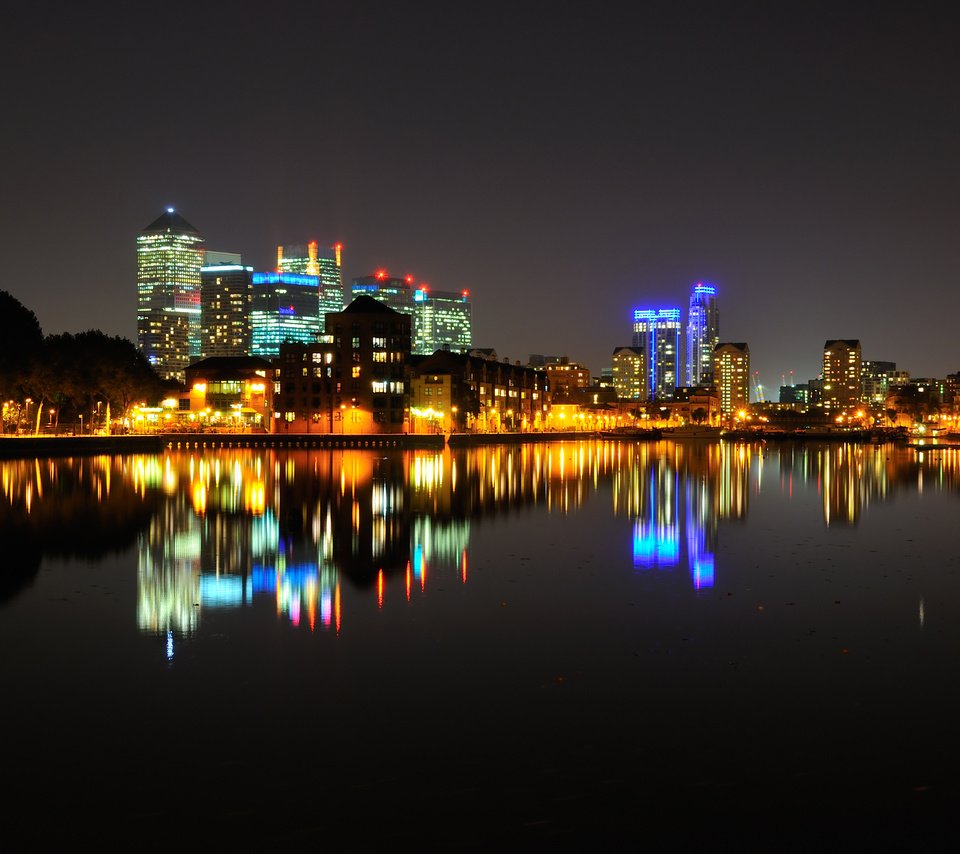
pixel 565 162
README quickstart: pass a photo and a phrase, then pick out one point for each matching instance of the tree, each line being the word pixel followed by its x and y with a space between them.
pixel 698 415
pixel 21 343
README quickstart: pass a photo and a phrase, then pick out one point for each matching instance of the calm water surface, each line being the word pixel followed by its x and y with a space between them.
pixel 575 645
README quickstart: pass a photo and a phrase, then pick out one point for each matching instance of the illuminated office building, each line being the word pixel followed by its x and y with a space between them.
pixel 842 366
pixel 226 294
pixel 703 334
pixel 169 257
pixel 629 373
pixel 284 310
pixel 656 333
pixel 442 321
pixel 313 260
pixel 389 290
pixel 731 366
pixel 875 379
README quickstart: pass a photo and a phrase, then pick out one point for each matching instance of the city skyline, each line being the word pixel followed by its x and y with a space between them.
pixel 564 169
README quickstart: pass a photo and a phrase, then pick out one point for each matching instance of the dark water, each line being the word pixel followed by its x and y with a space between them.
pixel 589 646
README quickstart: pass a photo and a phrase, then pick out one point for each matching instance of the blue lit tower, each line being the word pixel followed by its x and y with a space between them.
pixel 703 334
pixel 656 332
pixel 285 310
pixel 169 257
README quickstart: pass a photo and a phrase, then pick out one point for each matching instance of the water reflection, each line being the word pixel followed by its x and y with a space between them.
pixel 228 529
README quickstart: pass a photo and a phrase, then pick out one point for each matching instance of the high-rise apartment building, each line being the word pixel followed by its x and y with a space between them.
pixel 284 310
pixel 226 294
pixel 656 332
pixel 313 260
pixel 703 334
pixel 442 321
pixel 629 373
pixel 842 367
pixel 169 258
pixel 731 367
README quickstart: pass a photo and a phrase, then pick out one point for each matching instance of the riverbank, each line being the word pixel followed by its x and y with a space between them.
pixel 20 447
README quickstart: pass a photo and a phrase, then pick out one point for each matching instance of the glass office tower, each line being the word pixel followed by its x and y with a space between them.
pixel 313 260
pixel 442 321
pixel 169 257
pixel 284 310
pixel 656 332
pixel 703 334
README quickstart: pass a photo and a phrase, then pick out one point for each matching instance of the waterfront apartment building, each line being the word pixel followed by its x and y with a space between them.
pixel 566 378
pixel 169 258
pixel 442 321
pixel 285 309
pixel 629 374
pixel 326 263
pixel 731 365
pixel 354 382
pixel 469 392
pixel 842 370
pixel 656 333
pixel 703 334
pixel 226 296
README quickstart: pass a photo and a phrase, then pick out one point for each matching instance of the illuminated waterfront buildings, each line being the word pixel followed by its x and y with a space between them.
pixel 169 258
pixel 656 333
pixel 226 294
pixel 875 379
pixel 703 334
pixel 285 309
pixel 731 366
pixel 355 382
pixel 841 374
pixel 325 263
pixel 442 321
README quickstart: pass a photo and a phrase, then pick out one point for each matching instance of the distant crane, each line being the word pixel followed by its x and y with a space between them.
pixel 757 387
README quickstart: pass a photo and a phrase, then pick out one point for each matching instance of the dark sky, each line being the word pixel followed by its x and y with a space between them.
pixel 566 162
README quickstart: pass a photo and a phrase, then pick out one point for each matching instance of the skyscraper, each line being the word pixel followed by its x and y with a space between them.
pixel 442 321
pixel 226 295
pixel 703 334
pixel 169 257
pixel 284 310
pixel 390 290
pixel 731 366
pixel 656 332
pixel 325 263
pixel 841 374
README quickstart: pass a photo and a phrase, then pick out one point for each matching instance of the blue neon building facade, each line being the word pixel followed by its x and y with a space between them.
pixel 703 334
pixel 285 310
pixel 656 332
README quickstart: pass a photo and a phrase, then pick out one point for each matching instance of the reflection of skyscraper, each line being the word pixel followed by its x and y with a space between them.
pixel 703 334
pixel 169 257
pixel 657 333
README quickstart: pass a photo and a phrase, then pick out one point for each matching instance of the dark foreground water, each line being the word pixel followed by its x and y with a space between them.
pixel 585 645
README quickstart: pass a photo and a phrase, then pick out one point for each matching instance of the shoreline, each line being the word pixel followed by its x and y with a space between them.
pixel 19 447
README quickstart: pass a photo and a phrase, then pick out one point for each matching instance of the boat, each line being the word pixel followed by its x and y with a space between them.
pixel 694 431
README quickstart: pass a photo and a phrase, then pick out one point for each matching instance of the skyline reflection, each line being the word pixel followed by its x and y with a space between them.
pixel 231 529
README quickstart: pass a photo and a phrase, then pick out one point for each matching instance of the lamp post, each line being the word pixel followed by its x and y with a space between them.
pixel 81 423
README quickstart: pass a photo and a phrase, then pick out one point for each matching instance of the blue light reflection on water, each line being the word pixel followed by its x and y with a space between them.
pixel 793 618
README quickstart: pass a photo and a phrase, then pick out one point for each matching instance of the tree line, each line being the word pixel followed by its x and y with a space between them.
pixel 74 375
